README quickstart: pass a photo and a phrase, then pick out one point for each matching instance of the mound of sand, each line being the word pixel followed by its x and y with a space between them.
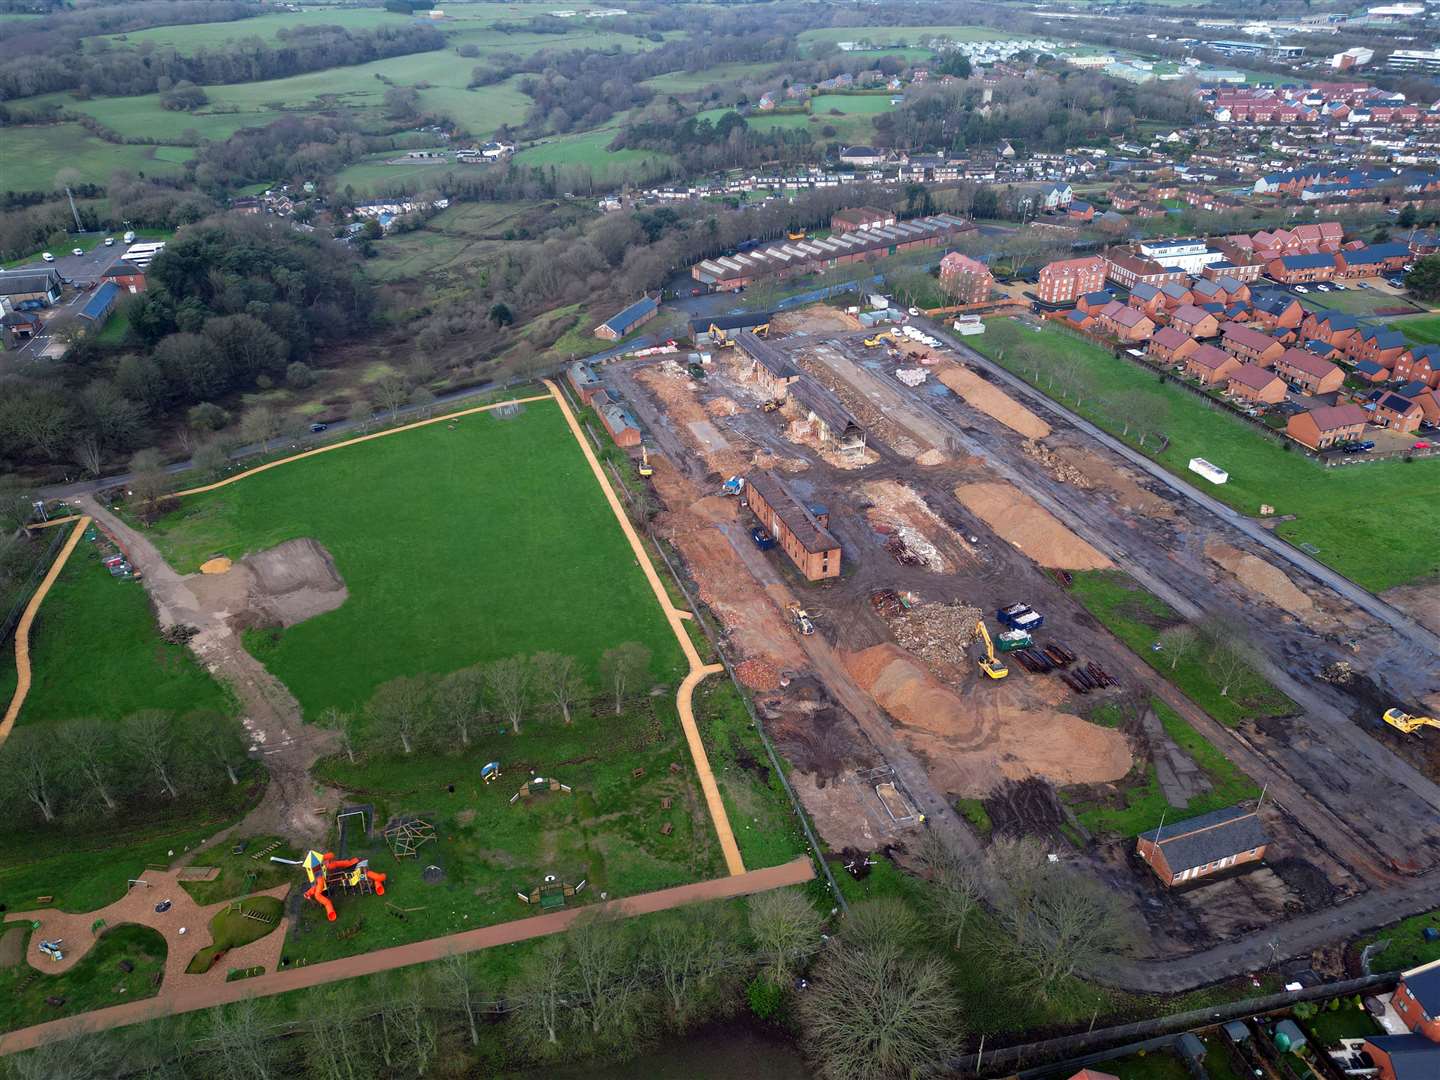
pixel 973 743
pixel 1029 526
pixel 218 565
pixel 1259 576
pixel 992 401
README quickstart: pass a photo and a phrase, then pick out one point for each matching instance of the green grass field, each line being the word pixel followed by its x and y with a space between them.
pixel 34 155
pixel 95 982
pixel 232 928
pixel 1136 617
pixel 687 82
pixel 587 150
pixel 1422 331
pixel 456 243
pixel 908 35
pixel 1139 803
pixel 188 38
pixel 96 651
pixel 457 545
pixel 1362 302
pixel 864 104
pixel 854 127
pixel 1333 508
pixel 1407 946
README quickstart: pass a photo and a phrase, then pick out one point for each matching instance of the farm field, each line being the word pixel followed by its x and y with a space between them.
pixel 375 175
pixel 96 651
pixel 587 150
pixel 33 155
pixel 1422 331
pixel 191 37
pixel 867 104
pixel 855 127
pixel 1333 508
pixel 458 544
pixel 908 35
pixel 685 82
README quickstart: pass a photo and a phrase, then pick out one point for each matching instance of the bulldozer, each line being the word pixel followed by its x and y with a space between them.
pixel 1403 721
pixel 990 664
pixel 801 618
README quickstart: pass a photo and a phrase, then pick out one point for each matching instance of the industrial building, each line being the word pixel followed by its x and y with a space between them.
pixel 1188 850
pixel 769 366
pixel 21 286
pixel 721 329
pixel 802 533
pixel 628 320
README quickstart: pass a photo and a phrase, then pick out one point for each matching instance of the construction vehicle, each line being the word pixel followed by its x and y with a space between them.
pixel 773 405
pixel 1403 721
pixel 1010 640
pixel 645 468
pixel 1021 617
pixel 734 486
pixel 795 234
pixel 873 342
pixel 990 664
pixel 801 619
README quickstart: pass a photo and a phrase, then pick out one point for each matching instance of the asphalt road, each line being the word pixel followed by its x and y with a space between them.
pixel 86 267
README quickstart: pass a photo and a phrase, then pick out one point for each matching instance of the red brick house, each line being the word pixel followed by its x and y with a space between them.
pixel 1332 327
pixel 619 422
pixel 1210 365
pixel 1195 321
pixel 1255 383
pixel 967 280
pixel 1125 322
pixel 1249 344
pixel 1276 312
pixel 1397 413
pixel 1065 280
pixel 1126 268
pixel 1170 345
pixel 1302 269
pixel 1310 373
pixel 1416 1001
pixel 128 276
pixel 1198 847
pixel 1383 346
pixel 1420 364
pixel 1147 298
pixel 801 534
pixel 1093 302
pixel 1329 425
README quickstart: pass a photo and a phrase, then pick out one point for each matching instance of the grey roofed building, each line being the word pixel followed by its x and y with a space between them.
pixel 1208 838
pixel 1413 1057
pixel 23 282
pixel 840 427
pixel 795 515
pixel 1237 1031
pixel 769 357
pixel 743 321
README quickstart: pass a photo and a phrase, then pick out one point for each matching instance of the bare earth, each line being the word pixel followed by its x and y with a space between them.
pixel 1019 519
pixel 1420 602
pixel 1260 577
pixel 283 585
pixel 992 401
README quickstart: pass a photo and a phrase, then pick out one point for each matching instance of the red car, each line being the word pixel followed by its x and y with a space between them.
pixel 1421 446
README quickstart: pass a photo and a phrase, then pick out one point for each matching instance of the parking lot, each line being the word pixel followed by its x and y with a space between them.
pixel 77 270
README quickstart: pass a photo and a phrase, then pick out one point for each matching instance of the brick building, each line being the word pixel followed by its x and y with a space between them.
pixel 1125 322
pixel 129 277
pixel 1416 1055
pixel 583 380
pixel 1170 345
pixel 860 217
pixel 1195 321
pixel 770 367
pixel 1309 372
pixel 966 280
pixel 1396 413
pixel 1248 344
pixel 1327 426
pixel 802 535
pixel 1421 364
pixel 1063 281
pixel 1210 364
pixel 1255 383
pixel 1380 344
pixel 1332 327
pixel 1302 269
pixel 1188 850
pixel 629 319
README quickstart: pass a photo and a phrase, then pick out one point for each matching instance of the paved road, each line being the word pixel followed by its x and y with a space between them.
pixel 420 952
pixel 86 267
pixel 1367 601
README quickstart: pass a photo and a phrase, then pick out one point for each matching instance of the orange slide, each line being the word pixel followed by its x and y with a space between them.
pixel 319 867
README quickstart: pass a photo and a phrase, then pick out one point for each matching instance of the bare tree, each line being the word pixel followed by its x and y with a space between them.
pixel 244 1047
pixel 88 454
pixel 622 668
pixel 219 740
pixel 508 683
pixel 147 481
pixel 697 958
pixel 607 978
pixel 457 986
pixel 879 1011
pixel 343 724
pixel 89 746
pixel 786 929
pixel 540 992
pixel 460 701
pixel 1228 661
pixel 1017 868
pixel 391 392
pixel 1179 642
pixel 558 679
pixel 261 424
pixel 400 710
pixel 151 737
pixel 957 886
pixel 30 767
pixel 1074 922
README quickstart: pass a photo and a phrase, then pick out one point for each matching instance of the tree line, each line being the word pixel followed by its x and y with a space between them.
pixel 87 770
pixel 434 713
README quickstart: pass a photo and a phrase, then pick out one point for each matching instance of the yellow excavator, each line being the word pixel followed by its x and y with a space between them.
pixel 990 664
pixel 1403 721
pixel 645 468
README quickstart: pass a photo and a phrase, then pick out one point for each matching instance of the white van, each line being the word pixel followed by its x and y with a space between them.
pixel 129 238
pixel 48 257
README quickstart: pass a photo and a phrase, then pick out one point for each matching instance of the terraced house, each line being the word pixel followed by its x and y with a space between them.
pixel 1309 373
pixel 1250 345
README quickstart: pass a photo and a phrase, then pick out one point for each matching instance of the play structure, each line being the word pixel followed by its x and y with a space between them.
pixel 490 771
pixel 407 835
pixel 551 893
pixel 538 784
pixel 328 874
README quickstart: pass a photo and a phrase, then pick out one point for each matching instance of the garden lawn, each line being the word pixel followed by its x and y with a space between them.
pixel 1136 617
pixel 96 651
pixel 1349 1021
pixel 1408 947
pixel 1334 508
pixel 1362 302
pixel 1140 804
pixel 459 543
pixel 33 155
pixel 606 831
pixel 1424 331
pixel 1156 1065
pixel 95 982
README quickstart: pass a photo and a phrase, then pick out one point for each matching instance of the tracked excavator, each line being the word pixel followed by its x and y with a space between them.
pixel 1403 721
pixel 990 664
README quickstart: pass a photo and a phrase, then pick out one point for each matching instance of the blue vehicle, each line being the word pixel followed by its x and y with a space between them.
pixel 763 540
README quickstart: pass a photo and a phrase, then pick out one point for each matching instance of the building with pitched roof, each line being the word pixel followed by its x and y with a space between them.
pixel 629 319
pixel 1210 364
pixel 1062 281
pixel 801 534
pixel 1197 847
pixel 1248 344
pixel 1327 426
pixel 1306 371
pixel 1255 383
pixel 1170 345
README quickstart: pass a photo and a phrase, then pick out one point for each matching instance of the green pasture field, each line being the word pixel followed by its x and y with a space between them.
pixel 195 36
pixel 855 127
pixel 909 35
pixel 687 82
pixel 95 982
pixel 1138 803
pixel 96 651
pixel 1333 508
pixel 1422 331
pixel 1356 301
pixel 34 155
pixel 605 831
pixel 458 543
pixel 458 241
pixel 375 174
pixel 1137 617
pixel 868 104
pixel 587 150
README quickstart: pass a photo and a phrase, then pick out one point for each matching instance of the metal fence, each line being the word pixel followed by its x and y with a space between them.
pixel 25 591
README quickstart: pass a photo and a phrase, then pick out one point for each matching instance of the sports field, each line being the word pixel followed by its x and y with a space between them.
pixel 1334 508
pixel 867 104
pixel 96 652
pixel 458 543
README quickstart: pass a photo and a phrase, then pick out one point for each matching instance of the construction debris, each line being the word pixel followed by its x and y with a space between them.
pixel 937 633
pixel 911 376
pixel 1055 465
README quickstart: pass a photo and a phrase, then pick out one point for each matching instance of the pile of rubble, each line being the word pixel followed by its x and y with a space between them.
pixel 911 547
pixel 937 633
pixel 911 376
pixel 1057 466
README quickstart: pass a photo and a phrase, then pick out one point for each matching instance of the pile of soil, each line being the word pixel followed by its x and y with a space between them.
pixel 1259 576
pixel 931 457
pixel 1022 521
pixel 992 401
pixel 1103 473
pixel 1056 465
pixel 280 586
pixel 758 675
pixel 721 406
pixel 899 511
pixel 909 693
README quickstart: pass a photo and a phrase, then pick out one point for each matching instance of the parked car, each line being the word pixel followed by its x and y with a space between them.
pixel 1301 289
pixel 1367 444
pixel 77 251
pixel 317 428
pixel 1361 285
pixel 1421 445
pixel 914 311
pixel 1338 285
pixel 763 540
pixel 1322 288
pixel 47 257
pixel 109 241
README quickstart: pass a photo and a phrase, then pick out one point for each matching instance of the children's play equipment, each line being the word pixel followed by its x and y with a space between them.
pixel 406 835
pixel 551 893
pixel 328 874
pixel 537 784
pixel 490 771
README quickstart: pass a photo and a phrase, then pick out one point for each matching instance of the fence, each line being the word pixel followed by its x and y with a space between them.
pixel 27 590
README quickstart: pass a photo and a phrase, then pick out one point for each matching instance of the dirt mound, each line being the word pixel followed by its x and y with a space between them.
pixel 814 319
pixel 1029 526
pixel 931 457
pixel 217 565
pixel 758 675
pixel 1420 602
pixel 280 586
pixel 909 693
pixel 916 534
pixel 721 406
pixel 1259 576
pixel 1056 465
pixel 992 401
pixel 1104 474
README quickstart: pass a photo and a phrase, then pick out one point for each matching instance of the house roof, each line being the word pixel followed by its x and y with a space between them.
pixel 1335 417
pixel 1424 986
pixel 731 322
pixel 1368 367
pixel 1307 262
pixel 1209 357
pixel 1104 296
pixel 1144 290
pixel 1065 266
pixel 1320 348
pixel 1077 316
pixel 1245 336
pixel 1093 1074
pixel 1174 289
pixel 823 404
pixel 1206 287
pixel 766 355
pixel 1272 303
pixel 1412 1057
pixel 1377 253
pixel 1126 316
pixel 1209 837
pixel 14 282
pixel 1396 403
pixel 1253 375
pixel 1307 362
pixel 793 513
pixel 1336 320
pixel 1383 338
pixel 1169 337
pixel 121 268
pixel 99 305
pixel 1189 313
pixel 622 321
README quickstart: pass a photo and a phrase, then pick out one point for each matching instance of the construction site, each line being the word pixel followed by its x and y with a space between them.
pixel 949 662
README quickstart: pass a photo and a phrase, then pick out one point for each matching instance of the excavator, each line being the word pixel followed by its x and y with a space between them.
pixel 1403 721
pixel 645 468
pixel 990 664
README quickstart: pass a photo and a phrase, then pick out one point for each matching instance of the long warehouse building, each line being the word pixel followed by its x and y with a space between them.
pixel 792 257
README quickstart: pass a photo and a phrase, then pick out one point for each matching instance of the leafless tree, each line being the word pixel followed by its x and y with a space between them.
pixel 540 992
pixel 509 684
pixel 957 886
pixel 1179 641
pixel 558 679
pixel 148 481
pixel 697 958
pixel 220 741
pixel 1149 413
pixel 88 454
pixel 261 424
pixel 151 737
pixel 244 1047
pixel 1017 869
pixel 881 921
pixel 786 929
pixel 1228 661
pixel 343 724
pixel 89 746
pixel 391 392
pixel 622 669
pixel 609 982
pixel 1074 922
pixel 400 710
pixel 29 767
pixel 458 987
pixel 331 1049
pixel 879 1011
pixel 460 701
